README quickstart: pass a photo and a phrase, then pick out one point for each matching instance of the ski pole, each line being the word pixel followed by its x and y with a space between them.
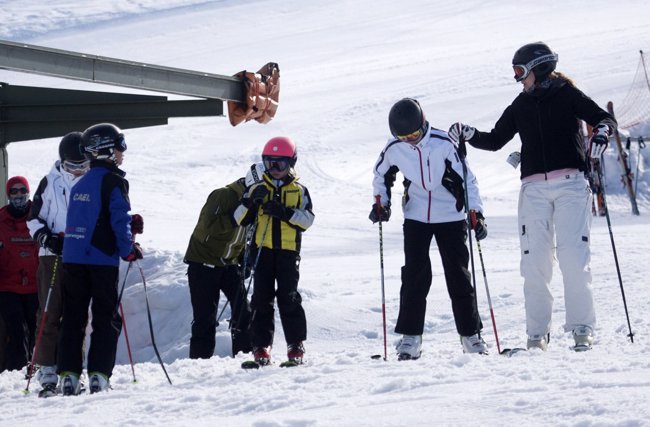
pixel 123 322
pixel 462 152
pixel 128 345
pixel 487 289
pixel 254 268
pixel 42 324
pixel 153 339
pixel 381 266
pixel 618 269
pixel 249 234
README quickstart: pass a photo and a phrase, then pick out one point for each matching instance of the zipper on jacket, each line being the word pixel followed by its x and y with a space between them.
pixel 541 138
pixel 423 185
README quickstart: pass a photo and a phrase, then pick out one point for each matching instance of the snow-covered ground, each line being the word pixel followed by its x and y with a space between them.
pixel 343 64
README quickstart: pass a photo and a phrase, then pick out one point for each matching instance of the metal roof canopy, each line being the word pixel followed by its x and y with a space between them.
pixel 92 68
pixel 28 113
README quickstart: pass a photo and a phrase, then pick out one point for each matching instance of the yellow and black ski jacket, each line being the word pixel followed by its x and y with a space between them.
pixel 272 232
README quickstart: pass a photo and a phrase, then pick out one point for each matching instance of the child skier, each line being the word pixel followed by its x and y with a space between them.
pixel 283 210
pixel 98 233
pixel 47 225
pixel 433 204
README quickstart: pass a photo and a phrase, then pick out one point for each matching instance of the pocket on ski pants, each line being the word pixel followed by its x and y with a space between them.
pixel 535 220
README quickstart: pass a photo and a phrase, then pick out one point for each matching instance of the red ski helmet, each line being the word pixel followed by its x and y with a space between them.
pixel 281 146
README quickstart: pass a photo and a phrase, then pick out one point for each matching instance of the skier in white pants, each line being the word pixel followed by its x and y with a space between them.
pixel 555 197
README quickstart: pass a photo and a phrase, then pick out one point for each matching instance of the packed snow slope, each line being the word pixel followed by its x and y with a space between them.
pixel 343 64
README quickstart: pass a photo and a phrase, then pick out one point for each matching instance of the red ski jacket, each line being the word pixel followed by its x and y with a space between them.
pixel 18 255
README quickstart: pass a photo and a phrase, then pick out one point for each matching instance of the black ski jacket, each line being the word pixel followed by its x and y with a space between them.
pixel 547 123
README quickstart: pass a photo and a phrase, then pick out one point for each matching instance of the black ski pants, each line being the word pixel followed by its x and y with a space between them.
pixel 416 276
pixel 81 283
pixel 205 284
pixel 283 266
pixel 19 315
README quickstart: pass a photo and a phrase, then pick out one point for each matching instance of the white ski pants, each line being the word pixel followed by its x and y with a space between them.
pixel 555 216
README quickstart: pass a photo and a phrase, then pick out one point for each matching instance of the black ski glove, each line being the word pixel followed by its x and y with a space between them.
pixel 379 214
pixel 137 224
pixel 256 197
pixel 259 193
pixel 52 242
pixel 135 254
pixel 478 225
pixel 55 243
pixel 277 210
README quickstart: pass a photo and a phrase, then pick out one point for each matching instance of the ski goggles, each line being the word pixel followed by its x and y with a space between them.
pixel 280 164
pixel 523 70
pixel 73 167
pixel 21 190
pixel 411 137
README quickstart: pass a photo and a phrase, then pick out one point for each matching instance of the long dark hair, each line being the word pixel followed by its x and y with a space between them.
pixel 561 76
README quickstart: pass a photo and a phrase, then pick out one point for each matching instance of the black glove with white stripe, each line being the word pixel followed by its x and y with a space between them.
pixel 49 241
pixel 599 141
pixel 478 225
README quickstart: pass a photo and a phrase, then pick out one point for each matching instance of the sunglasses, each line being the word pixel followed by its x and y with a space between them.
pixel 21 190
pixel 280 164
pixel 411 137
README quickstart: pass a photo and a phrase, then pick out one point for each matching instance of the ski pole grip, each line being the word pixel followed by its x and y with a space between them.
pixel 472 217
pixel 462 148
pixel 378 204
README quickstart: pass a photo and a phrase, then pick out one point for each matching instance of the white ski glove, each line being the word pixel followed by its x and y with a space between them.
pixel 458 129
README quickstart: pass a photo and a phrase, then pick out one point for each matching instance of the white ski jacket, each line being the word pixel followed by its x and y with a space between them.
pixel 50 205
pixel 424 166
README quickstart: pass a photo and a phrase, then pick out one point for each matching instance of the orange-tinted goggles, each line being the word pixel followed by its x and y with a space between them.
pixel 414 136
pixel 521 72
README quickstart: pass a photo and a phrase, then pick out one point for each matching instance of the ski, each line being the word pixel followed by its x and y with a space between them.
pixel 49 391
pixel 251 364
pixel 626 172
pixel 405 356
pixel 593 172
pixel 580 348
pixel 511 351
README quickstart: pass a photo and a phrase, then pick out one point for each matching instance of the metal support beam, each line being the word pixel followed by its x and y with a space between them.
pixel 4 171
pixel 92 68
pixel 28 113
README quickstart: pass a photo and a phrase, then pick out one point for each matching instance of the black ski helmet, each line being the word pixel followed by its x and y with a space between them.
pixel 100 141
pixel 536 57
pixel 70 148
pixel 406 117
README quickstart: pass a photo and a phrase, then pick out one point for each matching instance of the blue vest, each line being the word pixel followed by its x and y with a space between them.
pixel 98 224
